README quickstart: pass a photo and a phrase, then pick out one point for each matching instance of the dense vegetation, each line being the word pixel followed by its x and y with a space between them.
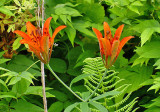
pixel 131 84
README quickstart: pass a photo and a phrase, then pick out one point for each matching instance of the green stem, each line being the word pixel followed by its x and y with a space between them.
pixel 32 65
pixel 97 86
pixel 64 83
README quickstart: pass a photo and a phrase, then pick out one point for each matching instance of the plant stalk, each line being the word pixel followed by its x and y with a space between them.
pixel 105 73
pixel 42 68
pixel 64 83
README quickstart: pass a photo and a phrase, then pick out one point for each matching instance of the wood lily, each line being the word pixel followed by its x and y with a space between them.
pixel 40 44
pixel 110 47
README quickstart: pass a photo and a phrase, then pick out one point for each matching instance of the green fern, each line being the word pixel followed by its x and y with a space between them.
pixel 96 67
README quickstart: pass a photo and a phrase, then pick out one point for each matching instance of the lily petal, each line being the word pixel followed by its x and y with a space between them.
pixel 106 46
pixel 56 31
pixel 46 27
pixel 22 34
pixel 99 36
pixel 118 32
pixel 107 31
pixel 123 42
pixel 114 51
pixel 31 29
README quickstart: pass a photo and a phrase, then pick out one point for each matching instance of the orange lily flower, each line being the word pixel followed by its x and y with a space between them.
pixel 110 47
pixel 40 44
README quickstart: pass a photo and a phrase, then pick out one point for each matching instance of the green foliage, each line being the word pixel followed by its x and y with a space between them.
pixel 95 66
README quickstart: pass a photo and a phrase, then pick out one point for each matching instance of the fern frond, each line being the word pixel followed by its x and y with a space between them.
pixel 110 83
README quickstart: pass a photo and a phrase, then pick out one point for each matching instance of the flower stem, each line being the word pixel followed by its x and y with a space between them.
pixel 43 87
pixel 32 65
pixel 105 73
pixel 42 68
pixel 64 83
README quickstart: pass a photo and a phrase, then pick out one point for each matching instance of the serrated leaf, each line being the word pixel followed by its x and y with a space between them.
pixel 10 73
pixel 99 106
pixel 80 77
pixel 146 34
pixel 69 108
pixel 16 43
pixel 6 11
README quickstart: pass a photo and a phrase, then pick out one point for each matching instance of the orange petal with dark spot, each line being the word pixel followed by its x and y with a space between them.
pixel 46 27
pixel 31 29
pixel 107 31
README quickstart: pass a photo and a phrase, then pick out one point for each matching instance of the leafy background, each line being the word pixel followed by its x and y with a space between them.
pixel 138 64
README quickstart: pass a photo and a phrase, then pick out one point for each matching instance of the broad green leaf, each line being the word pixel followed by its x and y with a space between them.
pixel 28 76
pixel 130 75
pixel 67 11
pixel 7 96
pixel 4 69
pixel 140 61
pixel 17 2
pixel 146 34
pixel 14 80
pixel 69 108
pixel 95 12
pixel 80 77
pixel 60 96
pixel 63 18
pixel 71 34
pixel 72 58
pixel 37 90
pixel 10 73
pixel 110 93
pixel 144 24
pixel 99 106
pixel 2 2
pixel 84 107
pixel 82 27
pixel 83 56
pixel 1 53
pixel 4 84
pixel 149 50
pixel 16 43
pixel 56 107
pixel 24 106
pixel 55 17
pixel 21 86
pixel 137 3
pixel 58 65
pixel 4 60
pixel 157 64
pixel 6 11
pixel 134 9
